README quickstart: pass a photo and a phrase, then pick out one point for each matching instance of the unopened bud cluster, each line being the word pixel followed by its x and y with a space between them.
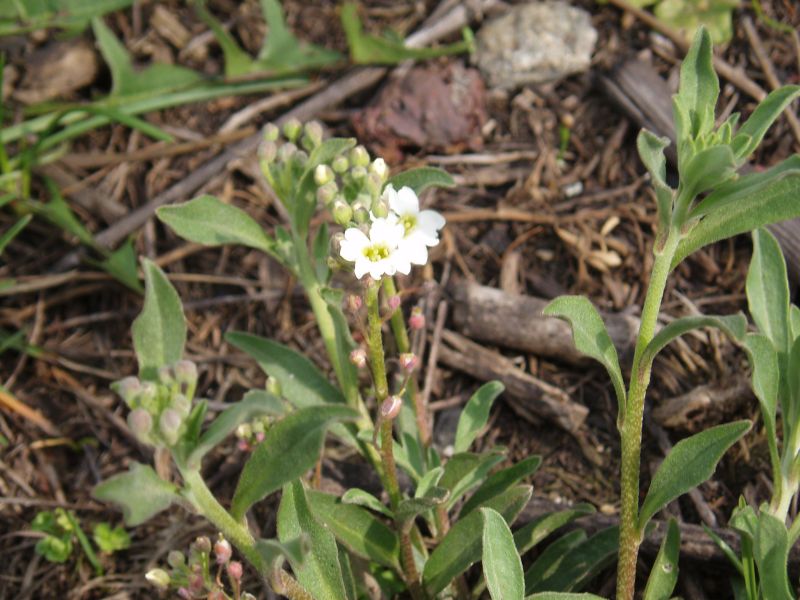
pixel 191 576
pixel 252 433
pixel 160 407
pixel 284 151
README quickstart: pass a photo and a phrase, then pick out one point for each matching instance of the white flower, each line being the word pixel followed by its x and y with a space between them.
pixel 421 227
pixel 379 253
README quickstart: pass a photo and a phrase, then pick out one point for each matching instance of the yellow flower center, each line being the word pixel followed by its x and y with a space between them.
pixel 376 252
pixel 408 222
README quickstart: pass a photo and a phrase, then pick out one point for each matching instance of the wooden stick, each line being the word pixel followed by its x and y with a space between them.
pixel 531 398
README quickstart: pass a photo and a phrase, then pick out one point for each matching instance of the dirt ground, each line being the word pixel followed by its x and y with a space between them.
pixel 527 215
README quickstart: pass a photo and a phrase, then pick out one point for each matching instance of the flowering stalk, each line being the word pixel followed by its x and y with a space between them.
pixel 404 346
pixel 378 366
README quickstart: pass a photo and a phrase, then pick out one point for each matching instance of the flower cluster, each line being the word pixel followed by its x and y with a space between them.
pixel 192 577
pixel 395 242
pixel 159 409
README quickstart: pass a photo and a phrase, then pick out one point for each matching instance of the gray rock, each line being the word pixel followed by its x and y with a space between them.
pixel 538 42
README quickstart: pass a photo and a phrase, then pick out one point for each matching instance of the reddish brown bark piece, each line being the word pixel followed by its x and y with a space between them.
pixel 439 108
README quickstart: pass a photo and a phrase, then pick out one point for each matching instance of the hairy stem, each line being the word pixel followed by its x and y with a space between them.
pixel 631 433
pixel 404 345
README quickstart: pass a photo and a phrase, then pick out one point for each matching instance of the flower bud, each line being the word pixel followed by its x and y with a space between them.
pixel 323 174
pixel 169 425
pixel 390 407
pixel 128 389
pixel 312 135
pixel 196 583
pixel 300 157
pixel 216 594
pixel 273 386
pixel 358 357
pixel 379 168
pixel 222 551
pixel 271 132
pixel 340 164
pixel 286 152
pixel 185 372
pixel 380 208
pixel 359 157
pixel 159 578
pixel 184 593
pixel 267 152
pixel 358 174
pixel 354 303
pixel 327 193
pixel 176 559
pixel 166 376
pixel 182 405
pixel 292 129
pixel 244 431
pixel 373 185
pixel 360 213
pixel 417 320
pixel 394 302
pixel 342 212
pixel 235 570
pixel 202 544
pixel 141 423
pixel 408 361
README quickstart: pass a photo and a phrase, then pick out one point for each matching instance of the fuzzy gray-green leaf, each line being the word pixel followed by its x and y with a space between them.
pixel 690 462
pixel 140 492
pixel 768 290
pixel 734 325
pixel 752 131
pixel 664 574
pixel 475 414
pixel 502 567
pixel 159 332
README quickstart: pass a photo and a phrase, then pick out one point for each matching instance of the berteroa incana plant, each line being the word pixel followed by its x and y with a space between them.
pixel 415 541
pixel 712 202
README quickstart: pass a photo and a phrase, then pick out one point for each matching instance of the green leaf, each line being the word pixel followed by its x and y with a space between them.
pixel 699 87
pixel 748 204
pixel 591 337
pixel 651 150
pixel 110 540
pixel 159 332
pixel 370 49
pixel 500 481
pixel 363 498
pixel 734 325
pixel 140 492
pixel 461 547
pixel 410 508
pixel 428 481
pixel 664 574
pixel 357 529
pixel 274 552
pixel 59 213
pixel 794 370
pixel 547 563
pixel 502 567
pixel 72 15
pixel 13 231
pixel 320 572
pixel 475 414
pixel 421 178
pixel 772 555
pixel 121 265
pixel 534 532
pixel 127 81
pixel 301 382
pixel 768 290
pixel 765 381
pixel 255 403
pixel 705 170
pixel 54 549
pixel 690 462
pixel 237 61
pixel 794 317
pixel 581 564
pixel 464 471
pixel 749 136
pixel 290 448
pixel 207 220
pixel 562 596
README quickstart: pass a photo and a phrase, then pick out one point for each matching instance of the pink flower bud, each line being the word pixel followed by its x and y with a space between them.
pixel 394 303
pixel 196 583
pixel 359 358
pixel 235 570
pixel 417 320
pixel 354 303
pixel 391 407
pixel 202 544
pixel 222 551
pixel 141 423
pixel 408 361
pixel 243 445
pixel 216 594
pixel 260 436
pixel 129 388
pixel 184 593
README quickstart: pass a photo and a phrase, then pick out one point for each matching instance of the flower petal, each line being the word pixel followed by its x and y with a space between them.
pixel 362 266
pixel 407 202
pixel 430 220
pixel 414 249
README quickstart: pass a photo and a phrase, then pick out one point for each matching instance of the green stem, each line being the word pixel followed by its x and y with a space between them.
pixel 377 363
pixel 631 433
pixel 404 345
